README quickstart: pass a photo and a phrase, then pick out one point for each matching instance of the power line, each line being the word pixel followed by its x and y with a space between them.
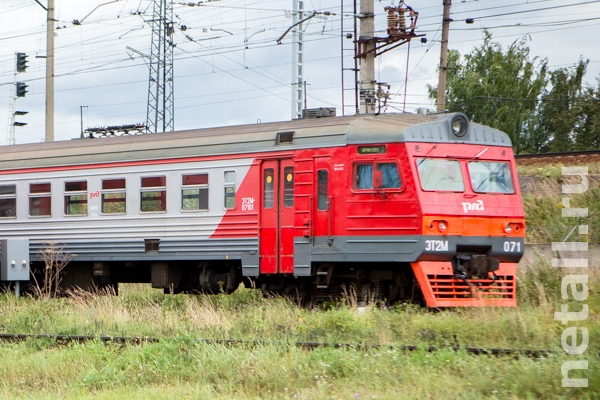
pixel 98 55
pixel 562 5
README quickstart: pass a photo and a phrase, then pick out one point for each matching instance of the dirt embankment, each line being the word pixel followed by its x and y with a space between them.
pixel 549 186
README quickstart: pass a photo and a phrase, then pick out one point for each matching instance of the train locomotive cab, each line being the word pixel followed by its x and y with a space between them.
pixel 427 210
pixel 472 217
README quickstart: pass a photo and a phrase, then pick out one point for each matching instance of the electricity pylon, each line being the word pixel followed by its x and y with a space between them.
pixel 160 111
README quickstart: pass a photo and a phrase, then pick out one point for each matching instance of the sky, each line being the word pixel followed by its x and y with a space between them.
pixel 228 68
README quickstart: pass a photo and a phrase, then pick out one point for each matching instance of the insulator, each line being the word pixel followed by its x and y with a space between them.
pixel 392 20
pixel 402 21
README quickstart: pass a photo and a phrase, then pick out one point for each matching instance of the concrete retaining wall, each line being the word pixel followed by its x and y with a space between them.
pixel 535 253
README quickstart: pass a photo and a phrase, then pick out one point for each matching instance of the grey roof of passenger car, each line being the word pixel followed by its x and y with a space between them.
pixel 243 139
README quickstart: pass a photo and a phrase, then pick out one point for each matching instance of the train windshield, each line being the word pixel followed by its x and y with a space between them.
pixel 439 174
pixel 491 177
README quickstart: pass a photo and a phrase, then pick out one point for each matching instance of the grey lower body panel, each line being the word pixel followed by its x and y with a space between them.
pixel 411 248
pixel 166 250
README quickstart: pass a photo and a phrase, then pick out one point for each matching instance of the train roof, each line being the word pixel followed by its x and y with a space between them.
pixel 243 139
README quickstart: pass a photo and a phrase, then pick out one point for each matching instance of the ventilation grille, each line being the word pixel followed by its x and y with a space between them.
pixel 447 287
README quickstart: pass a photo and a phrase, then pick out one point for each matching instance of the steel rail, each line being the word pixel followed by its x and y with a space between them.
pixel 139 340
pixel 560 154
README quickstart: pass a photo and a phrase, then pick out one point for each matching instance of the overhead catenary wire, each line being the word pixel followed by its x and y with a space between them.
pixel 104 53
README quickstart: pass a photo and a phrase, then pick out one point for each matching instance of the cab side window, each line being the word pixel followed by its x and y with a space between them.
pixel 365 173
pixel 364 176
pixel 390 178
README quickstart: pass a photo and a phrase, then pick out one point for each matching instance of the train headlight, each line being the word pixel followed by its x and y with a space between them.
pixel 442 226
pixel 459 125
pixel 508 229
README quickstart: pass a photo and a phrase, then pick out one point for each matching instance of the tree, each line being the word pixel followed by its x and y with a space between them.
pixel 560 110
pixel 497 88
pixel 587 130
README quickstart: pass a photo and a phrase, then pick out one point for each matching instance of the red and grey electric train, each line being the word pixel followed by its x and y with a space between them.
pixel 394 206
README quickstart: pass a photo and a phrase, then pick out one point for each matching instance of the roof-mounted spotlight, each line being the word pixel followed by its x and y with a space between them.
pixel 459 124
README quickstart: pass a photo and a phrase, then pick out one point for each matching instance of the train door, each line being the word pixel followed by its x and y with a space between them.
pixel 277 217
pixel 323 217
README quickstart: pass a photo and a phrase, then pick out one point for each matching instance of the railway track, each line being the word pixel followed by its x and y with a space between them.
pixel 582 157
pixel 140 340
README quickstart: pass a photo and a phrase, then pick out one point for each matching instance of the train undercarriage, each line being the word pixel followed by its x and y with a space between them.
pixel 354 283
pixel 435 284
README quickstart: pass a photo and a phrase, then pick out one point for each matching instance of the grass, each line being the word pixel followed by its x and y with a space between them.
pixel 195 370
pixel 279 321
pixel 183 365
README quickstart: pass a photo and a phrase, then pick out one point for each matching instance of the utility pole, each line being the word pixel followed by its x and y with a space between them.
pixel 50 73
pixel 49 136
pixel 401 25
pixel 81 120
pixel 297 57
pixel 367 63
pixel 441 89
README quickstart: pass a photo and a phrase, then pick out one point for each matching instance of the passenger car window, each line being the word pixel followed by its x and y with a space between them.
pixel 8 201
pixel 40 200
pixel 194 192
pixel 113 196
pixel 229 191
pixel 153 194
pixel 76 198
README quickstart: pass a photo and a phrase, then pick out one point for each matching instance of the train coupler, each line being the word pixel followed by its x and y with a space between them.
pixel 472 266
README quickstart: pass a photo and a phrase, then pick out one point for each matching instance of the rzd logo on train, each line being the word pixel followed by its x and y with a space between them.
pixel 475 206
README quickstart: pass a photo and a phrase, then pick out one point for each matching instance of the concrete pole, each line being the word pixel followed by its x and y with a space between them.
pixel 297 59
pixel 367 67
pixel 441 90
pixel 50 73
